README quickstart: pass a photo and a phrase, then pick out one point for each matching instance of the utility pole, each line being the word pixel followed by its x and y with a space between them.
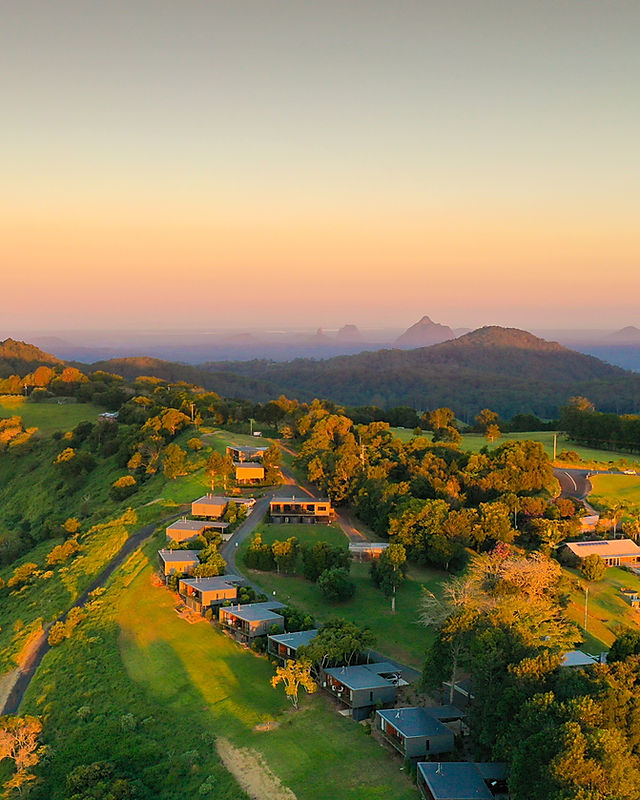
pixel 555 446
pixel 586 605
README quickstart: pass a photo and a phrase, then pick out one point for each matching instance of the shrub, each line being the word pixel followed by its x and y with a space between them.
pixel 194 444
pixel 124 487
pixel 593 567
pixel 57 634
pixel 62 552
pixel 336 585
pixel 22 574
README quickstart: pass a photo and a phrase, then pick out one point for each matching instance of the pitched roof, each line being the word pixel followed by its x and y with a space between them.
pixel 414 721
pixel 295 640
pixel 606 548
pixel 179 555
pixel 460 780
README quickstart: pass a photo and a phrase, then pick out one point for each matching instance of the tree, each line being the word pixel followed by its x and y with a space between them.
pixel 173 461
pixel 492 433
pixel 295 674
pixel 215 467
pixel 259 554
pixel 338 643
pixel 22 574
pixel 62 552
pixel 285 554
pixel 19 742
pixel 626 644
pixel 336 585
pixel 389 570
pixel 214 565
pixel 194 444
pixel 321 556
pixel 593 567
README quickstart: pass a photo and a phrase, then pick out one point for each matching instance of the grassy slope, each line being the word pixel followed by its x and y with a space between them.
pixel 397 635
pixel 607 610
pixel 48 417
pixel 611 489
pixel 192 680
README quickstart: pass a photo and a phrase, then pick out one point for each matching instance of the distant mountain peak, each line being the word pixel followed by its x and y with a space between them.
pixel 628 335
pixel 496 336
pixel 424 333
pixel 349 333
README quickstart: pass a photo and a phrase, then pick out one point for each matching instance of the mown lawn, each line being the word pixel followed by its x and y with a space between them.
pixel 50 416
pixel 397 635
pixel 607 610
pixel 611 489
pixel 185 684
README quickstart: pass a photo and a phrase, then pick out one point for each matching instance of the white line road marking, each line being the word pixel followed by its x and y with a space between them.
pixel 575 485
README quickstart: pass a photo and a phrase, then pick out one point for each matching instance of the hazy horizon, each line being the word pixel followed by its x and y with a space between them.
pixel 281 162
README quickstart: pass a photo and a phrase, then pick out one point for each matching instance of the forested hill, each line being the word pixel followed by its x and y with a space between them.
pixel 224 382
pixel 508 370
pixel 18 358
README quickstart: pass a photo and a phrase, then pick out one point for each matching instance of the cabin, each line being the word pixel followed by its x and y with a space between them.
pixel 293 510
pixel 284 646
pixel 462 780
pixel 614 552
pixel 367 551
pixel 210 506
pixel 361 688
pixel 183 530
pixel 248 471
pixel 249 621
pixel 414 732
pixel 199 594
pixel 213 506
pixel 240 453
pixel 177 562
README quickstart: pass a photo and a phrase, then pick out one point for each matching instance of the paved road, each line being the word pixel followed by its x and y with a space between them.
pixel 41 646
pixel 574 483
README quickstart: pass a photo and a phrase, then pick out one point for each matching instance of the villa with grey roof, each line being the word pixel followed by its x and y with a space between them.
pixel 414 732
pixel 213 506
pixel 361 688
pixel 199 594
pixel 177 562
pixel 246 622
pixel 462 780
pixel 246 453
pixel 284 646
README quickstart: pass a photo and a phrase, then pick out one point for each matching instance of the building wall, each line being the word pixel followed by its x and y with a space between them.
pixel 416 746
pixel 181 535
pixel 208 509
pixel 250 473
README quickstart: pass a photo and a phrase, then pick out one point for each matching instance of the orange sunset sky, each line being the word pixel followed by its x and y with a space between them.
pixel 188 164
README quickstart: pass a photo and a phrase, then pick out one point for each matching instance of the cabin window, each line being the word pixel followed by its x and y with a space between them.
pixel 370 695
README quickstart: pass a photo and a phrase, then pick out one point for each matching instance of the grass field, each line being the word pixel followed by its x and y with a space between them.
pixel 397 635
pixel 611 489
pixel 473 442
pixel 48 417
pixel 184 685
pixel 607 611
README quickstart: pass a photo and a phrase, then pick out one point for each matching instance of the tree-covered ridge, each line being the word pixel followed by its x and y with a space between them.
pixel 507 370
pixel 20 358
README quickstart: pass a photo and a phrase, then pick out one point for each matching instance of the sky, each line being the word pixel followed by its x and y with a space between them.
pixel 204 163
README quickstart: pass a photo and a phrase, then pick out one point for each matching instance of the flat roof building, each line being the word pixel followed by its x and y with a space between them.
pixel 177 562
pixel 246 622
pixel 613 552
pixel 414 732
pixel 461 780
pixel 285 646
pixel 199 594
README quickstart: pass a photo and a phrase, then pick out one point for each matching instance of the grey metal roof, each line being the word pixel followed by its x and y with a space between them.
pixel 414 721
pixel 295 640
pixel 212 499
pixel 365 676
pixel 187 525
pixel 300 500
pixel 576 658
pixel 213 583
pixel 255 612
pixel 253 464
pixel 445 712
pixel 455 780
pixel 179 555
